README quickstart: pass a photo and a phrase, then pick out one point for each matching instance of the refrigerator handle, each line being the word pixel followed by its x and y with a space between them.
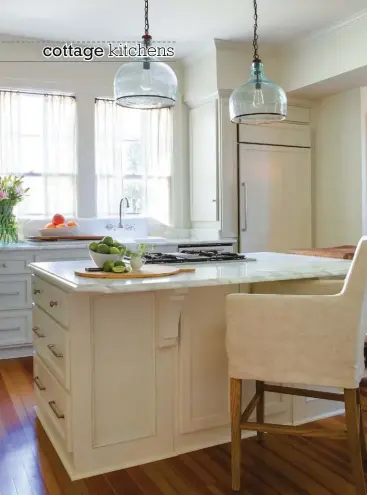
pixel 244 206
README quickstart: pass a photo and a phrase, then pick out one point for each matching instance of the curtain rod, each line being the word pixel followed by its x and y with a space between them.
pixel 40 93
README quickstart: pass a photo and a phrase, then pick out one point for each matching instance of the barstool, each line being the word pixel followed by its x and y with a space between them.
pixel 311 340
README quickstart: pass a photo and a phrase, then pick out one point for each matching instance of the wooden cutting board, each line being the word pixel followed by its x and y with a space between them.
pixel 66 238
pixel 150 271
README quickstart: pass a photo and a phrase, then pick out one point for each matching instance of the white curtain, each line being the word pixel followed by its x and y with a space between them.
pixel 133 160
pixel 9 132
pixel 38 141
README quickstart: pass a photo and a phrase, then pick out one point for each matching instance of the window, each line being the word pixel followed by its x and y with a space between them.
pixel 133 160
pixel 38 141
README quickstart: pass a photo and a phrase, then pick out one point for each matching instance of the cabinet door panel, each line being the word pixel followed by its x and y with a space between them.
pixel 275 198
pixel 203 366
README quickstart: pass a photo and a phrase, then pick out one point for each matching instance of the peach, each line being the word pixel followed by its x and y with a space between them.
pixel 58 219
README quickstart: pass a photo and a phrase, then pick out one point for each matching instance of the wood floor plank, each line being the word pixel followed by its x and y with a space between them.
pixel 284 465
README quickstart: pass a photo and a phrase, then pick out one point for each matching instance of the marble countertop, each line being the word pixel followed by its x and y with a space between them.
pixel 36 246
pixel 267 267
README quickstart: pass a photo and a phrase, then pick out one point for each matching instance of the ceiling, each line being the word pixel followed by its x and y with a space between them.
pixel 189 23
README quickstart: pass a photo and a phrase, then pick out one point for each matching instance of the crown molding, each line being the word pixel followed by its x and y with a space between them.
pixel 201 100
pixel 355 18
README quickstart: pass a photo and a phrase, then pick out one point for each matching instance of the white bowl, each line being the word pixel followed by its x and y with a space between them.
pixel 61 232
pixel 100 258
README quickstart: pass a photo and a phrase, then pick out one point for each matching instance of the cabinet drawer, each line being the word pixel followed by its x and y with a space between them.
pixel 15 328
pixel 15 292
pixel 51 299
pixel 14 265
pixel 53 400
pixel 51 342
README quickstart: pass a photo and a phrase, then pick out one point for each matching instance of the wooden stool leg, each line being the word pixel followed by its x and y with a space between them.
pixel 352 421
pixel 236 395
pixel 361 428
pixel 260 409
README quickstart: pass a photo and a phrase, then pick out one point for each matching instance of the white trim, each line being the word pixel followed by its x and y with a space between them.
pixel 357 17
pixel 16 351
pixel 200 101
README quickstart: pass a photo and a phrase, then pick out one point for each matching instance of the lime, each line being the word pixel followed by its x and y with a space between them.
pixel 118 269
pixel 114 250
pixel 103 249
pixel 108 241
pixel 93 246
pixel 107 266
pixel 120 263
pixel 116 244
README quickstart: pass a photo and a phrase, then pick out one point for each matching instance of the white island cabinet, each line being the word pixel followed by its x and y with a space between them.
pixel 127 372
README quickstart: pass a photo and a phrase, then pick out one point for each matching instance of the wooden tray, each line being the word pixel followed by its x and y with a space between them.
pixel 150 271
pixel 66 238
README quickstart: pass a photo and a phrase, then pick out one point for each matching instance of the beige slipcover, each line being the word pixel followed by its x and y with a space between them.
pixel 301 339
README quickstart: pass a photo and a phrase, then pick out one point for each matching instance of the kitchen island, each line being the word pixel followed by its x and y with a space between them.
pixel 127 372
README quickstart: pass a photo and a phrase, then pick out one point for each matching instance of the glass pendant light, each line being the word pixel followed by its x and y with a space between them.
pixel 259 101
pixel 145 83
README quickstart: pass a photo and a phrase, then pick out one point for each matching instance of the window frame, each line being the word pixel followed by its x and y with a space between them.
pixel 74 176
pixel 143 177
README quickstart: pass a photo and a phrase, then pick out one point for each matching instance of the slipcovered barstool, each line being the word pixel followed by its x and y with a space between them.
pixel 314 340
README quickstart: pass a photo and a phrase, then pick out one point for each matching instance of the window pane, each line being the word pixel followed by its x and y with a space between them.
pixel 132 163
pixel 158 199
pixel 34 204
pixel 134 191
pixel 60 195
pixel 31 114
pixel 109 194
pixel 31 155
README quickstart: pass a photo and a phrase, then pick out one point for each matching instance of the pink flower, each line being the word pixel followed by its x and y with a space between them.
pixel 3 195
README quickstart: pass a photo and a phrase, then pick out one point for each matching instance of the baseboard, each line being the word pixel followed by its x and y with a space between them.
pixel 338 412
pixel 16 352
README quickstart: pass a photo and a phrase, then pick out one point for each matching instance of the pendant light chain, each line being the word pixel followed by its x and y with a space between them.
pixel 146 19
pixel 256 37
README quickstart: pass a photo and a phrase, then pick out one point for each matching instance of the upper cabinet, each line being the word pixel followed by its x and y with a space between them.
pixel 203 163
pixel 213 166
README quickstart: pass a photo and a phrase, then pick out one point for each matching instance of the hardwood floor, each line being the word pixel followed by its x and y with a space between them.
pixel 282 466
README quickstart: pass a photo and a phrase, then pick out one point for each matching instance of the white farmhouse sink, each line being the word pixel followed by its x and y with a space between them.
pixel 151 240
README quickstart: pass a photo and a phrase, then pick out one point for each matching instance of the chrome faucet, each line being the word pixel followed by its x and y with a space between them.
pixel 122 210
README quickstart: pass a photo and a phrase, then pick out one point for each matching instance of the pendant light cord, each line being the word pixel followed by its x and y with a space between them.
pixel 256 55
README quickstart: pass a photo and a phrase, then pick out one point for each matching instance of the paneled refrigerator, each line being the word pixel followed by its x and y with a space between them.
pixel 274 175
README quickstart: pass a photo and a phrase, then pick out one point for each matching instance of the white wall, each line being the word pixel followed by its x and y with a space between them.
pixel 338 170
pixel 23 67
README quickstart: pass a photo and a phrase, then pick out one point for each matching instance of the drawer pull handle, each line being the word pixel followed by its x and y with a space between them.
pixel 54 351
pixel 37 381
pixel 10 294
pixel 36 331
pixel 53 303
pixel 4 265
pixel 36 291
pixel 55 410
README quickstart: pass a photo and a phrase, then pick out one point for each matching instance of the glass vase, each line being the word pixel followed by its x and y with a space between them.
pixel 8 225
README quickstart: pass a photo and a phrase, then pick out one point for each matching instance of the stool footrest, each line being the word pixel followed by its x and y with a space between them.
pixel 293 430
pixel 303 392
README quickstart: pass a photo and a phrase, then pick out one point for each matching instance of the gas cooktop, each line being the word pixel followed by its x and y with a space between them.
pixel 195 256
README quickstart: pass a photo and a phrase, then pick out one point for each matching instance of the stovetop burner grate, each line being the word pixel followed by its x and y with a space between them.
pixel 193 257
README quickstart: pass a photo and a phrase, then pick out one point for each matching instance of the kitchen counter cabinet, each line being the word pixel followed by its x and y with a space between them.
pixel 144 372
